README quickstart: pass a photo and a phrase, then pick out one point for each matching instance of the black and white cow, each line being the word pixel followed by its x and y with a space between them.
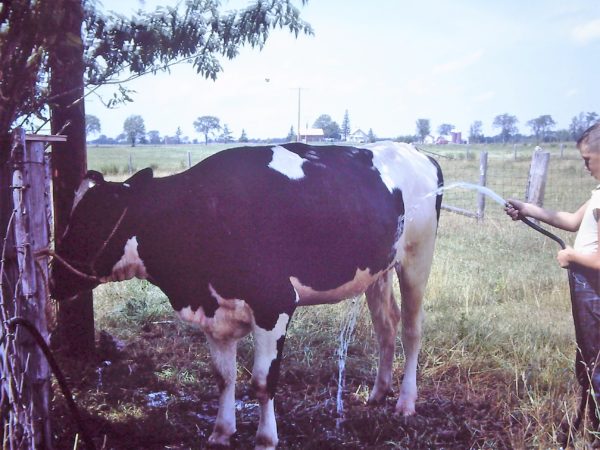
pixel 240 240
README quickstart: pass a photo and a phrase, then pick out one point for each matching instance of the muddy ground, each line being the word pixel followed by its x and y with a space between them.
pixel 147 392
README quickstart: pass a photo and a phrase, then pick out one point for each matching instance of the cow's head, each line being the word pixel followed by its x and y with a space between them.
pixel 95 235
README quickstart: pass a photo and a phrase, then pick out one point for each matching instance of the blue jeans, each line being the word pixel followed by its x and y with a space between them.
pixel 586 315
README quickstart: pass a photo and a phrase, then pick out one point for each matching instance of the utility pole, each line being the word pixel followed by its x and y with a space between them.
pixel 298 132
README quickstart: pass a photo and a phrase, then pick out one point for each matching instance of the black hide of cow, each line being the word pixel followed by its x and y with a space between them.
pixel 238 225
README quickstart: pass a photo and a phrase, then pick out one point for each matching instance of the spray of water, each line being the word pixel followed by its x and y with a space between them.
pixel 348 326
pixel 352 313
pixel 474 187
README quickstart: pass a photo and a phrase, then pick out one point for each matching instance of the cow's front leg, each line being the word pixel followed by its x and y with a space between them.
pixel 268 348
pixel 223 354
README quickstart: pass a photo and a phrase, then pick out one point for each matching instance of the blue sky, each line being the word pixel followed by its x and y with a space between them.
pixel 388 62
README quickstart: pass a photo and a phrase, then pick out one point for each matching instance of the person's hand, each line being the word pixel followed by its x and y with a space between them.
pixel 513 209
pixel 564 257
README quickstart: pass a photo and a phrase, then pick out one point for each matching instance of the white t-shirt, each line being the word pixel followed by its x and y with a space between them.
pixel 587 236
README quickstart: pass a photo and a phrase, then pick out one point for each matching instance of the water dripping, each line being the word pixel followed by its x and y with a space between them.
pixel 100 372
pixel 349 323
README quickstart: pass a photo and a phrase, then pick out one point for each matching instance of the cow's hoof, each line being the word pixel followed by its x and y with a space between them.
pixel 405 407
pixel 378 396
pixel 265 443
pixel 219 438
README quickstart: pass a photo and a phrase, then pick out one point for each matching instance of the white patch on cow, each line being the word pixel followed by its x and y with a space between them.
pixel 232 320
pixel 267 427
pixel 265 343
pixel 297 295
pixel 265 352
pixel 129 266
pixel 85 186
pixel 398 164
pixel 359 284
pixel 224 361
pixel 288 163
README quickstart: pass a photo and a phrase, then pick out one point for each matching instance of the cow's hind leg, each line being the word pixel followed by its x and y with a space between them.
pixel 413 274
pixel 385 316
pixel 268 348
pixel 223 354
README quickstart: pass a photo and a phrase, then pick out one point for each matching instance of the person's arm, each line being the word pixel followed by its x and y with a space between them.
pixel 517 209
pixel 570 256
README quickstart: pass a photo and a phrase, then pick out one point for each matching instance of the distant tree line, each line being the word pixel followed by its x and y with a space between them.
pixel 210 127
pixel 542 130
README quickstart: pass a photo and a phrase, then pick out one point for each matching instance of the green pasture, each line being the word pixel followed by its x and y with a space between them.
pixel 508 166
pixel 498 323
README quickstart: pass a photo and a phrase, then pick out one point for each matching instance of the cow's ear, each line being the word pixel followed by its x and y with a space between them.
pixel 94 176
pixel 140 178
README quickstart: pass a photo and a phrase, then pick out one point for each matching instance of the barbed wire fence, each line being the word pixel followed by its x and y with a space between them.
pixel 26 361
pixel 567 183
pixel 25 374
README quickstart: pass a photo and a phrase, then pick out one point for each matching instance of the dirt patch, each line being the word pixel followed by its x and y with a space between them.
pixel 156 391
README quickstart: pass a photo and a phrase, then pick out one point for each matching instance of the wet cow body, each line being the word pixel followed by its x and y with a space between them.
pixel 242 239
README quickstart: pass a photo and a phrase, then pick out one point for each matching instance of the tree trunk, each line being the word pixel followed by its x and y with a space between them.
pixel 75 330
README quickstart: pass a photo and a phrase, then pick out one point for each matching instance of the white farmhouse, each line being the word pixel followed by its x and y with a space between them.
pixel 358 136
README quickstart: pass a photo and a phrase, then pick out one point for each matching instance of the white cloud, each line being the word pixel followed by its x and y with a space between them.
pixel 484 96
pixel 419 87
pixel 587 32
pixel 458 64
pixel 571 92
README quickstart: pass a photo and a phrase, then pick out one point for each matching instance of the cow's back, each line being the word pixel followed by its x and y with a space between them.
pixel 252 218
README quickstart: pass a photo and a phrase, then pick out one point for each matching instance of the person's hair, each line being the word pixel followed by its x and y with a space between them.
pixel 590 137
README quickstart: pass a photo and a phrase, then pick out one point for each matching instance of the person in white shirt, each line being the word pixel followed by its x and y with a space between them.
pixel 583 260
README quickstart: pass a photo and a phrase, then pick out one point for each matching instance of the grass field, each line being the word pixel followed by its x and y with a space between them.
pixel 496 368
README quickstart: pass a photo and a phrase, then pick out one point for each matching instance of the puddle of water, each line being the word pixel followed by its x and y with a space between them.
pixel 240 405
pixel 158 399
pixel 100 372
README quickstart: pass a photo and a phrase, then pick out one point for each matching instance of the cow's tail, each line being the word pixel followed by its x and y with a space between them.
pixel 440 184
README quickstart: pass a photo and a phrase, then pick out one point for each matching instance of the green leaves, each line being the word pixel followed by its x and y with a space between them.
pixel 117 49
pixel 196 32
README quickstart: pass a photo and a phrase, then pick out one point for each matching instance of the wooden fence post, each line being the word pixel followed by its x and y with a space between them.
pixel 25 372
pixel 483 163
pixel 538 175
